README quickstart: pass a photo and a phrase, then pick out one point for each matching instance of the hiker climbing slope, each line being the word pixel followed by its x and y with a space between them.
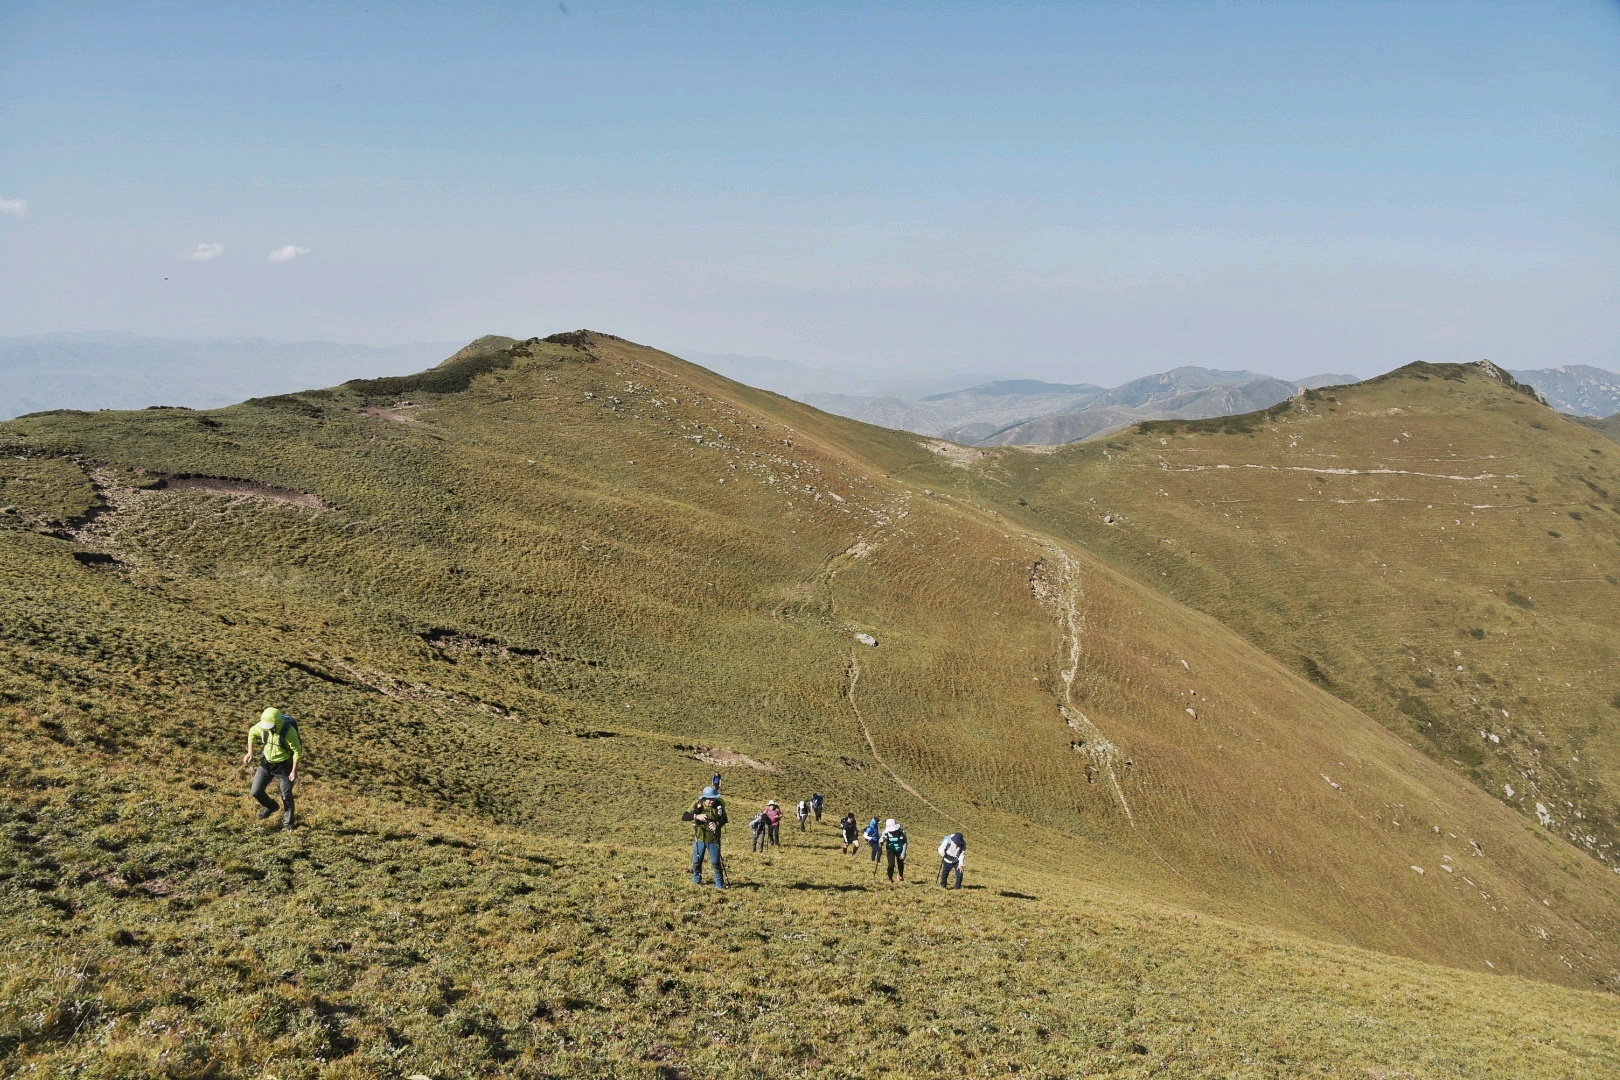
pixel 773 823
pixel 894 843
pixel 874 839
pixel 804 814
pixel 708 817
pixel 758 827
pixel 282 751
pixel 851 831
pixel 817 801
pixel 952 857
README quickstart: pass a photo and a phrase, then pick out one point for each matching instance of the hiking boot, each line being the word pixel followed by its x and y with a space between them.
pixel 266 811
pixel 288 826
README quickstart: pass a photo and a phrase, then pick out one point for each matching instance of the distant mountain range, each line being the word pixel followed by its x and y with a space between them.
pixel 1027 412
pixel 1024 412
pixel 128 371
pixel 1579 389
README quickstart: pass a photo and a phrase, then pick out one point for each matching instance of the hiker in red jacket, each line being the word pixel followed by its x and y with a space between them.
pixel 773 823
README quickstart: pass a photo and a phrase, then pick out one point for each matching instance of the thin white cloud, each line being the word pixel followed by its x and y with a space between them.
pixel 288 253
pixel 201 253
pixel 14 207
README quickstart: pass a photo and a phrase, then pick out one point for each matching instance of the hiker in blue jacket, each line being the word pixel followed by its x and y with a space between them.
pixel 874 838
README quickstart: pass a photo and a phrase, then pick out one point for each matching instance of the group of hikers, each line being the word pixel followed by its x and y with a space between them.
pixel 888 845
pixel 281 748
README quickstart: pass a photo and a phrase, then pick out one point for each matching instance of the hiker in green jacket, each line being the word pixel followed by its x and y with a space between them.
pixel 282 751
pixel 708 817
pixel 894 844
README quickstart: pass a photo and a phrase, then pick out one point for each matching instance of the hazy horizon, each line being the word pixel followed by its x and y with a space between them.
pixel 1074 194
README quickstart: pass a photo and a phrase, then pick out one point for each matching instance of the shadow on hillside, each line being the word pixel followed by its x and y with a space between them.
pixel 807 885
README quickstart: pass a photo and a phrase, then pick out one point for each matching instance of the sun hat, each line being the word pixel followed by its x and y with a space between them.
pixel 890 825
pixel 709 793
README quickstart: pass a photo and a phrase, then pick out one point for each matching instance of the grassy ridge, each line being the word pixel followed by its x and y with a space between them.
pixel 537 593
pixel 1433 547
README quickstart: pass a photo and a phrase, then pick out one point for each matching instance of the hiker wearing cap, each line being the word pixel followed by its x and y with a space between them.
pixel 804 814
pixel 773 823
pixel 758 827
pixel 894 843
pixel 816 803
pixel 851 830
pixel 874 839
pixel 952 854
pixel 282 751
pixel 708 817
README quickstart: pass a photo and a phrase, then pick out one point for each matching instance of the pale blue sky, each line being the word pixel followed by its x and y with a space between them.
pixel 1083 191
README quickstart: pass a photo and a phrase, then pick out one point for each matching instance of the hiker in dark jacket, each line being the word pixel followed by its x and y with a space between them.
pixel 851 830
pixel 874 839
pixel 816 803
pixel 283 749
pixel 952 855
pixel 773 823
pixel 894 843
pixel 708 817
pixel 758 826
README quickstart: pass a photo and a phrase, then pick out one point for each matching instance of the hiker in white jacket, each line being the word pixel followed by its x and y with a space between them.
pixel 952 854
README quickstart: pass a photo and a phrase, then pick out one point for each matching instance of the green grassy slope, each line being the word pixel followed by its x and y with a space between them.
pixel 538 591
pixel 1608 426
pixel 383 941
pixel 1433 547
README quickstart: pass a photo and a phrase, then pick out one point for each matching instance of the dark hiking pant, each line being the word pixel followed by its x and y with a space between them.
pixel 897 861
pixel 945 868
pixel 759 839
pixel 877 849
pixel 712 850
pixel 261 780
pixel 775 834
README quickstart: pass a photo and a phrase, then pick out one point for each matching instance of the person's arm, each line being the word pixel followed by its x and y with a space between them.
pixel 296 744
pixel 247 758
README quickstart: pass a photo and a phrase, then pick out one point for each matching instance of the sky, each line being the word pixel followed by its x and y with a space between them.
pixel 1083 192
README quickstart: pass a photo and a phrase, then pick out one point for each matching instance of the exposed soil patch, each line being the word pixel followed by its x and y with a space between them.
pixel 719 755
pixel 960 456
pixel 456 643
pixel 399 414
pixel 224 485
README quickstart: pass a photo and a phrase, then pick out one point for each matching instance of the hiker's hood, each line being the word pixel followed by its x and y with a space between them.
pixel 271 715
